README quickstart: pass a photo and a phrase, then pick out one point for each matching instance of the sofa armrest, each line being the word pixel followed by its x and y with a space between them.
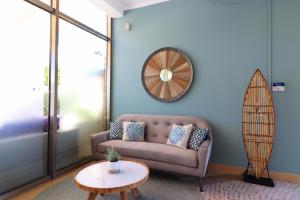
pixel 98 138
pixel 203 157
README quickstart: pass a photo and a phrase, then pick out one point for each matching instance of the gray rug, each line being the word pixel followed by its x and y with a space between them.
pixel 167 187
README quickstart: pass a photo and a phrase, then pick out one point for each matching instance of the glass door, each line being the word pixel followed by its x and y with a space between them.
pixel 36 38
pixel 81 93
pixel 24 54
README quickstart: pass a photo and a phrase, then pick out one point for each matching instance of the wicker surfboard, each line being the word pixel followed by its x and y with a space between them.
pixel 258 123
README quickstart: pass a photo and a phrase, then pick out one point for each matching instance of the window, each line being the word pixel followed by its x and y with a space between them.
pixel 46 1
pixel 24 55
pixel 25 71
pixel 81 92
pixel 87 12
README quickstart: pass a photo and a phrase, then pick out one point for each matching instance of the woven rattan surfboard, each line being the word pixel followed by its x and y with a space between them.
pixel 258 123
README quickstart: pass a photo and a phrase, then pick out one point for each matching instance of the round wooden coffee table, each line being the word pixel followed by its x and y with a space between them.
pixel 95 179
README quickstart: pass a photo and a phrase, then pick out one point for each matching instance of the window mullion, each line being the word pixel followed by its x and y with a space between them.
pixel 53 87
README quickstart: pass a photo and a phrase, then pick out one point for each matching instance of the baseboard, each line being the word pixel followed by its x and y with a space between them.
pixel 215 169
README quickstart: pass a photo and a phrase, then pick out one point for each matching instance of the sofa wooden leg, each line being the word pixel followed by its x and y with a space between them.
pixel 200 183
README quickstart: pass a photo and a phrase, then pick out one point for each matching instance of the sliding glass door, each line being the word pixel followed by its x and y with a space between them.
pixel 81 93
pixel 24 54
pixel 53 83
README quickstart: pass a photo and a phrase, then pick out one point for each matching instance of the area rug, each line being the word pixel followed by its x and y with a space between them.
pixel 166 187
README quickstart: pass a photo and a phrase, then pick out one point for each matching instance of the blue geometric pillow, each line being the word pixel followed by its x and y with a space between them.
pixel 198 135
pixel 133 131
pixel 116 131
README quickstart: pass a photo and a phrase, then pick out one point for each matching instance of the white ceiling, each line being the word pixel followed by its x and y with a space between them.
pixel 116 8
pixel 131 4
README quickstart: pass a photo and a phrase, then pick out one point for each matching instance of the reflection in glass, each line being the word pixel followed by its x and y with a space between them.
pixel 24 54
pixel 81 92
pixel 166 75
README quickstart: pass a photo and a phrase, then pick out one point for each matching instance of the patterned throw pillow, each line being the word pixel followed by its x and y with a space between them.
pixel 116 131
pixel 198 135
pixel 180 135
pixel 133 131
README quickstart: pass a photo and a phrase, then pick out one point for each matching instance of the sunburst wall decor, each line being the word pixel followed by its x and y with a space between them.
pixel 167 74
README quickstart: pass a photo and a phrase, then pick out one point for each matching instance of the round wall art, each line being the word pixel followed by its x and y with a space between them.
pixel 167 74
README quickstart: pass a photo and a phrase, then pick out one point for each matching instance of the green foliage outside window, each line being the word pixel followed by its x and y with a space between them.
pixel 46 94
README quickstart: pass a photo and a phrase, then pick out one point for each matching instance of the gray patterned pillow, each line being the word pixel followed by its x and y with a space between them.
pixel 198 135
pixel 116 131
pixel 133 131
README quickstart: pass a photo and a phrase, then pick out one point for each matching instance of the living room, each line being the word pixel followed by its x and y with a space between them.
pixel 196 98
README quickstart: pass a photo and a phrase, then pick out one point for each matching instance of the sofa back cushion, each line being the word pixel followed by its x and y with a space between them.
pixel 158 127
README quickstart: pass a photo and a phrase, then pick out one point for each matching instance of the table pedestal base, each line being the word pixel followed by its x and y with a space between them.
pixel 92 196
pixel 135 192
pixel 123 194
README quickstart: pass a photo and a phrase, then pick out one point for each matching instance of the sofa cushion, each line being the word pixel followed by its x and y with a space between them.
pixel 116 131
pixel 152 151
pixel 180 135
pixel 198 135
pixel 133 131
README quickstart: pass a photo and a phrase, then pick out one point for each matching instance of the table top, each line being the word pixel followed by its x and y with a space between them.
pixel 95 177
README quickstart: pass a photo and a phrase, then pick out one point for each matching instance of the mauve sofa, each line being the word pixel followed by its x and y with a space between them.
pixel 154 151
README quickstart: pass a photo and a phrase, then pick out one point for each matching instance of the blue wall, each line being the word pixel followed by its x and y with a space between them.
pixel 225 40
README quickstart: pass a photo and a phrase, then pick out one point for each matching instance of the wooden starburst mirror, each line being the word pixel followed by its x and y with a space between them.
pixel 167 74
